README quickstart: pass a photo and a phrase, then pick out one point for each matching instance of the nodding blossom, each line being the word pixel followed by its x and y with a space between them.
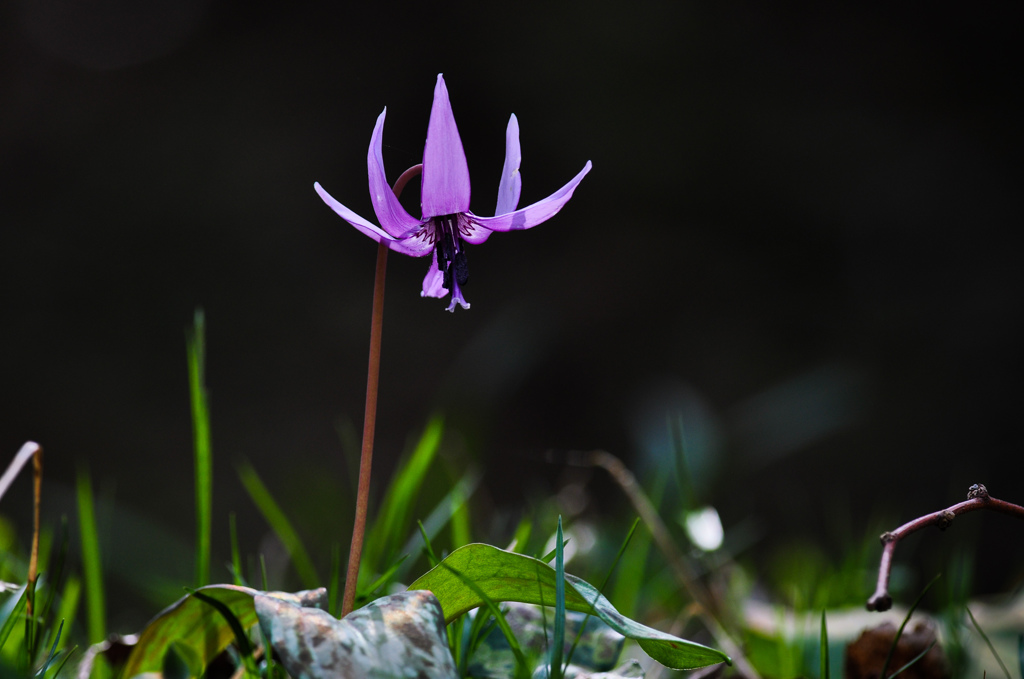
pixel 446 224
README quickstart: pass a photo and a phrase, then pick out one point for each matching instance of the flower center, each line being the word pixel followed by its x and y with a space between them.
pixel 451 255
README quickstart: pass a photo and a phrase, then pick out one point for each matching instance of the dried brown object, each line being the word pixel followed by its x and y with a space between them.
pixel 866 656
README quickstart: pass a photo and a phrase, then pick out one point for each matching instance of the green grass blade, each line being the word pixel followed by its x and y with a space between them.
pixel 499 617
pixel 913 660
pixel 10 613
pixel 236 553
pixel 438 517
pixel 334 584
pixel 241 638
pixel 53 652
pixel 279 524
pixel 522 535
pixel 604 583
pixel 558 643
pixel 195 341
pixel 394 518
pixel 825 667
pixel 92 567
pixel 426 545
pixel 384 578
pixel 68 608
pixel 987 642
pixel 899 632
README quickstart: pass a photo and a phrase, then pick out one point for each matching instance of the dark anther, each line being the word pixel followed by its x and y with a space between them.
pixel 946 519
pixel 977 491
pixel 461 267
pixel 886 537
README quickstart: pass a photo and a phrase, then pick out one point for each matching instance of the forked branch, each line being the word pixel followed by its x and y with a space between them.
pixel 977 498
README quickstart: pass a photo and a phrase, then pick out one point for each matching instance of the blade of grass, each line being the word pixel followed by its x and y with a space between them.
pixel 826 672
pixel 335 581
pixel 195 341
pixel 522 535
pixel 10 613
pixel 913 660
pixel 394 518
pixel 280 524
pixel 236 553
pixel 68 608
pixel 558 643
pixel 241 638
pixel 439 516
pixel 53 652
pixel 987 642
pixel 899 632
pixel 499 617
pixel 600 590
pixel 92 567
pixel 64 660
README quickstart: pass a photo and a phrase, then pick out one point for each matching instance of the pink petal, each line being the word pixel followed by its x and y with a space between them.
pixel 392 216
pixel 526 217
pixel 511 184
pixel 445 185
pixel 433 284
pixel 415 245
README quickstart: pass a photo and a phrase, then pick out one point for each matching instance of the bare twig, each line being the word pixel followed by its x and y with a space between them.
pixel 29 451
pixel 977 498
pixel 685 575
pixel 355 552
pixel 37 492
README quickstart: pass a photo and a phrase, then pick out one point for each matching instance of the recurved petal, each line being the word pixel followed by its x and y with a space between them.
pixel 445 185
pixel 370 229
pixel 511 184
pixel 416 245
pixel 392 216
pixel 529 216
pixel 433 284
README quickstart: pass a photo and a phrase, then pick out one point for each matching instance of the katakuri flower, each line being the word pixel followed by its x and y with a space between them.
pixel 446 224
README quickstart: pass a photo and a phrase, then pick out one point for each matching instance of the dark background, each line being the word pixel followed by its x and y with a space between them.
pixel 797 237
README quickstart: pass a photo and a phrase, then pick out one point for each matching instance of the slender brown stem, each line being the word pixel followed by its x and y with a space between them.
pixel 37 492
pixel 355 552
pixel 977 498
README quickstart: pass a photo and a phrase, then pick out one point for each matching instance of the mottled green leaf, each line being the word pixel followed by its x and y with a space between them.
pixel 506 576
pixel 394 637
pixel 198 630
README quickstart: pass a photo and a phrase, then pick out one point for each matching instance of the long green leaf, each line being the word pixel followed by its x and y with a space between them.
pixel 10 613
pixel 826 671
pixel 92 569
pixel 988 642
pixel 280 524
pixel 558 643
pixel 506 576
pixel 195 341
pixel 394 519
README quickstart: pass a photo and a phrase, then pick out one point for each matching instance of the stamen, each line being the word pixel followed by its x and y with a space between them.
pixel 451 258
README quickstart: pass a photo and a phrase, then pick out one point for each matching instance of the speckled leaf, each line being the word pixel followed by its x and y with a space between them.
pixel 597 651
pixel 627 670
pixel 505 576
pixel 394 637
pixel 197 628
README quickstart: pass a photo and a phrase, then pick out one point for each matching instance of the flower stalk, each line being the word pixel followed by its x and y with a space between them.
pixel 370 415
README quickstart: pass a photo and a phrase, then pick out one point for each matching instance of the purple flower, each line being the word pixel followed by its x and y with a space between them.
pixel 447 224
